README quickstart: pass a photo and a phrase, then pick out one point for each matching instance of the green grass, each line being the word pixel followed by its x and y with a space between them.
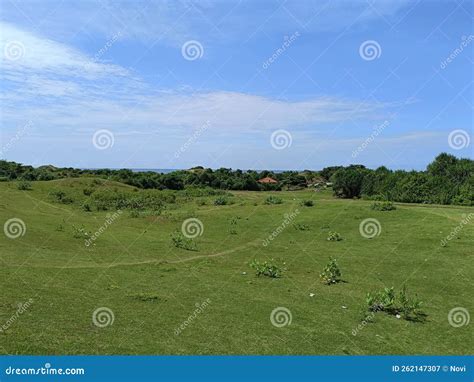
pixel 152 286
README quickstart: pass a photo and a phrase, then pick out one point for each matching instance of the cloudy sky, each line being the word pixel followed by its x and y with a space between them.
pixel 241 84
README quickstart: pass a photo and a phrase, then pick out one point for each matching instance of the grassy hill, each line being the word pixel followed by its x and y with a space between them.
pixel 200 296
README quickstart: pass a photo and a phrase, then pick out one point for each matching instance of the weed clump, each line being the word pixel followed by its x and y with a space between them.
pixel 331 273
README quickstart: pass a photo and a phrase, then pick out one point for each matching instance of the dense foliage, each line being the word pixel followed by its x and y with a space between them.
pixel 447 180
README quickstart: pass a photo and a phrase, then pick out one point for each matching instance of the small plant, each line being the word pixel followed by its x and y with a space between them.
pixel 221 201
pixel 400 305
pixel 233 231
pixel 267 268
pixel 331 273
pixel 88 191
pixel 383 206
pixel 180 241
pixel 334 236
pixel 24 186
pixel 273 200
pixel 87 207
pixel 134 214
pixel 80 232
pixel 61 197
pixel 307 203
pixel 145 297
pixel 201 202
pixel 301 227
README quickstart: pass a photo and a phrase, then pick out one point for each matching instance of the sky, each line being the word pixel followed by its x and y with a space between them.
pixel 240 84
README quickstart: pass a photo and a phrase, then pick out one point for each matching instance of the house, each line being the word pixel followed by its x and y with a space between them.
pixel 267 180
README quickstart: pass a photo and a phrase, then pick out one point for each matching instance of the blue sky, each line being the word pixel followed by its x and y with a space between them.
pixel 241 84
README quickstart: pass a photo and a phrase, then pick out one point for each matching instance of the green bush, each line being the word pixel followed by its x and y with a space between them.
pixel 273 200
pixel 334 236
pixel 88 191
pixel 180 241
pixel 383 206
pixel 24 186
pixel 221 201
pixel 267 268
pixel 401 305
pixel 86 207
pixel 301 227
pixel 307 203
pixel 61 197
pixel 331 273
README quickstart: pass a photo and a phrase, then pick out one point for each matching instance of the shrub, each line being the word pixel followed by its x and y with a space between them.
pixel 86 207
pixel 334 236
pixel 88 191
pixel 400 305
pixel 61 197
pixel 273 200
pixel 145 297
pixel 24 186
pixel 134 214
pixel 301 227
pixel 80 232
pixel 267 268
pixel 331 273
pixel 221 201
pixel 383 206
pixel 180 241
pixel 307 203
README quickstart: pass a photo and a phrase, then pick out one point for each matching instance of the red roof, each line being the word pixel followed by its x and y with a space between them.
pixel 267 179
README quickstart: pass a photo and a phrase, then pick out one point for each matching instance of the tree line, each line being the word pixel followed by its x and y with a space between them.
pixel 447 180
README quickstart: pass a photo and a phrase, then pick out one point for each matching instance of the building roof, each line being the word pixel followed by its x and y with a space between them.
pixel 267 179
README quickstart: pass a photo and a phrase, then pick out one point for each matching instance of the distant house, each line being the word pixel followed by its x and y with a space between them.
pixel 267 180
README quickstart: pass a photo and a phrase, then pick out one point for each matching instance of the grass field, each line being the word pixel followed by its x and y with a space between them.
pixel 152 287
